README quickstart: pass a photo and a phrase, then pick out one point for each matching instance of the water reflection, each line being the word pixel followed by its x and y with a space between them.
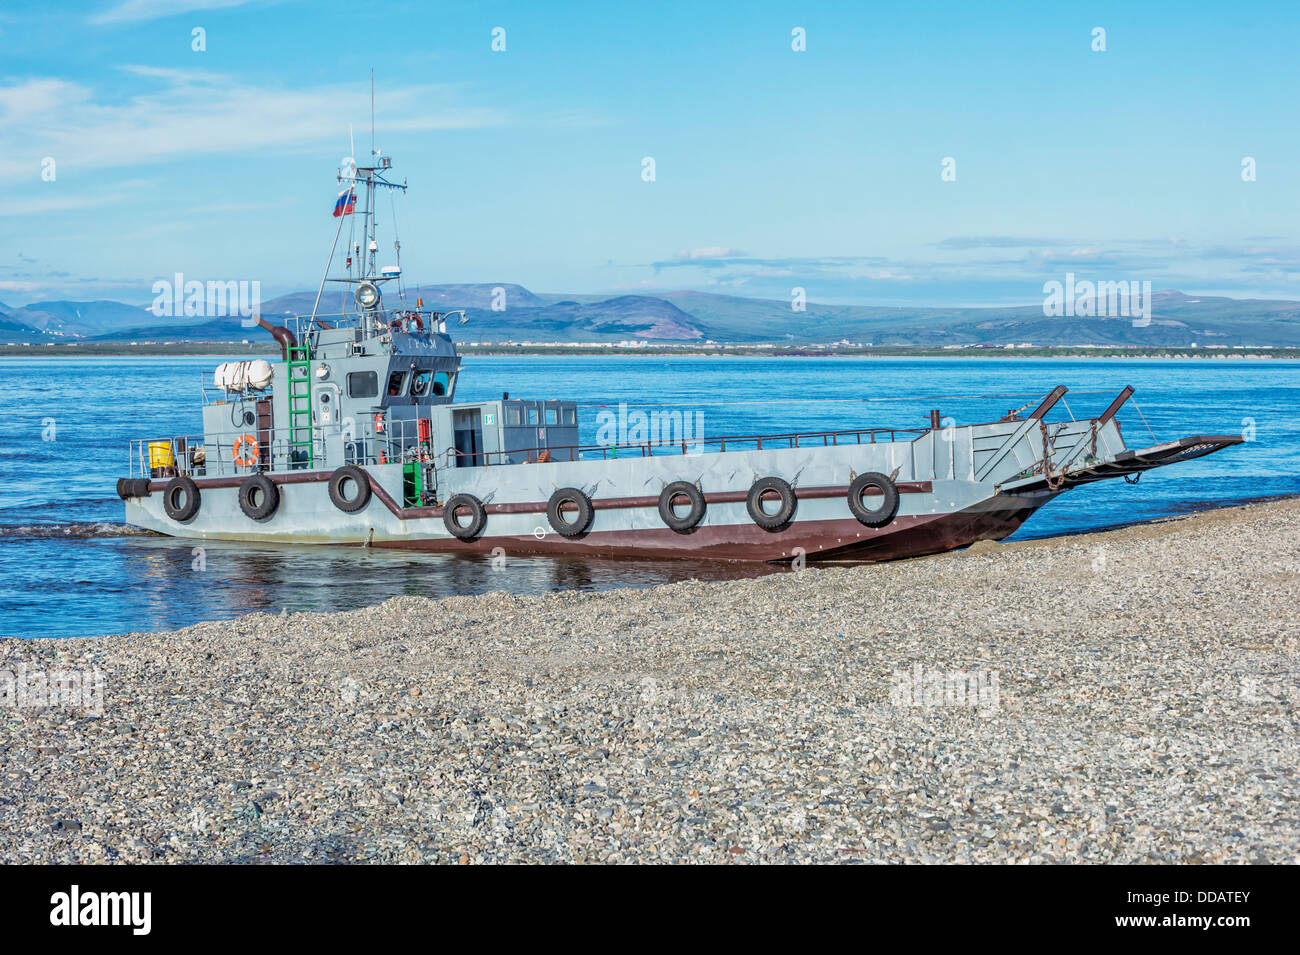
pixel 174 582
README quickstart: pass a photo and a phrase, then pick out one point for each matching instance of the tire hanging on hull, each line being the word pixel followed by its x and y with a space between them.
pixel 673 492
pixel 556 506
pixel 181 499
pixel 754 503
pixel 478 516
pixel 873 516
pixel 259 498
pixel 338 482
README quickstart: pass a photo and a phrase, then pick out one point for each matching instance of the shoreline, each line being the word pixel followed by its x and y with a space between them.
pixel 1136 704
pixel 1193 513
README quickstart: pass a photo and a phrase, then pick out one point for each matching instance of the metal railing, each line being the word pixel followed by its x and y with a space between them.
pixel 373 324
pixel 214 455
pixel 403 440
pixel 451 457
pixel 363 443
pixel 1060 445
pixel 213 395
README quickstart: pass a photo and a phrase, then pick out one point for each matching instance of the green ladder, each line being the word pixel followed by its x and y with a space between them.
pixel 412 484
pixel 299 367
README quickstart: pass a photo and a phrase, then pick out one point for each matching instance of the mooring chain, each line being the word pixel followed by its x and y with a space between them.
pixel 1053 484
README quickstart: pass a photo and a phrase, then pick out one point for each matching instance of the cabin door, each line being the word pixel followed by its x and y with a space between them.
pixel 468 429
pixel 265 431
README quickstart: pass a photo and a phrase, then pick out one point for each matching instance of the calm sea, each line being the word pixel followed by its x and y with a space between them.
pixel 69 568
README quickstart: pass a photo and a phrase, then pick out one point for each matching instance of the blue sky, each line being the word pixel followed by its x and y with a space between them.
pixel 774 168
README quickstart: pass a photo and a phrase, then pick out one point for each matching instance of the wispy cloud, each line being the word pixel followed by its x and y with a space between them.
pixel 57 203
pixel 36 100
pixel 136 10
pixel 194 113
pixel 175 76
pixel 719 258
pixel 989 269
pixel 708 252
pixel 963 242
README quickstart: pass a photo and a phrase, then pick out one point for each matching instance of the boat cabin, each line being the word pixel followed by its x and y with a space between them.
pixel 347 394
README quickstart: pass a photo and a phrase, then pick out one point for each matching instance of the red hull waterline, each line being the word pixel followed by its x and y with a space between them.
pixel 845 539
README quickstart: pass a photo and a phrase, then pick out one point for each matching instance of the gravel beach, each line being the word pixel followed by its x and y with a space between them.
pixel 1127 696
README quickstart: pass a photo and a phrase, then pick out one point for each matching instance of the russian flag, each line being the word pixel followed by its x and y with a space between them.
pixel 346 203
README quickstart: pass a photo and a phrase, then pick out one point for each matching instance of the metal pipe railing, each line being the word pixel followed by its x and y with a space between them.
pixel 452 456
pixel 389 441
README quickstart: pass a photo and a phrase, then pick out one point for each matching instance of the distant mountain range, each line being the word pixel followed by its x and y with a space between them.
pixel 1177 320
pixel 71 321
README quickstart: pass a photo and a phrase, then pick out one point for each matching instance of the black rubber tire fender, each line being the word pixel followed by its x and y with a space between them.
pixel 874 516
pixel 350 472
pixel 555 512
pixel 181 499
pixel 128 488
pixel 478 516
pixel 257 506
pixel 754 503
pixel 670 517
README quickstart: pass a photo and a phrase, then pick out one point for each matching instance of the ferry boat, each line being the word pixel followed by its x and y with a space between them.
pixel 355 436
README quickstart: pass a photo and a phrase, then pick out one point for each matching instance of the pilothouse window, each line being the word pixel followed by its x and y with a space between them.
pixel 420 383
pixel 363 384
pixel 396 383
pixel 441 382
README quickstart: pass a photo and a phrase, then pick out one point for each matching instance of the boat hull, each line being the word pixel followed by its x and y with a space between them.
pixel 843 539
pixel 933 516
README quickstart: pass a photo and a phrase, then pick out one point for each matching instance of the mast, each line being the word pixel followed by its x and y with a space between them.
pixel 325 274
pixel 370 178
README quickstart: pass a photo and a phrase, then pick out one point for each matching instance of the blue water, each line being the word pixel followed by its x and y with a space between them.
pixel 68 568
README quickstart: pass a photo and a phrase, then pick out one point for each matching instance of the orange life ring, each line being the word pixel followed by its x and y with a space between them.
pixel 245 451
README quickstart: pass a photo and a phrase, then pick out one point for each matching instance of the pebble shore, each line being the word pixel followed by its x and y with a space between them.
pixel 1130 697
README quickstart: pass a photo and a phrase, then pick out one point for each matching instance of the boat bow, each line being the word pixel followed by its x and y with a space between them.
pixel 1126 463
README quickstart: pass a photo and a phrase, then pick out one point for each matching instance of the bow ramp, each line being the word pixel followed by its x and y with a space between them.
pixel 1072 453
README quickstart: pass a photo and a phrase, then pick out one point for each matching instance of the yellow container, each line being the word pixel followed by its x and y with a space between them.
pixel 160 454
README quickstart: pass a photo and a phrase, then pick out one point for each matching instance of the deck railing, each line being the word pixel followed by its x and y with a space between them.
pixel 451 457
pixel 399 441
pixel 214 455
pixel 375 323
